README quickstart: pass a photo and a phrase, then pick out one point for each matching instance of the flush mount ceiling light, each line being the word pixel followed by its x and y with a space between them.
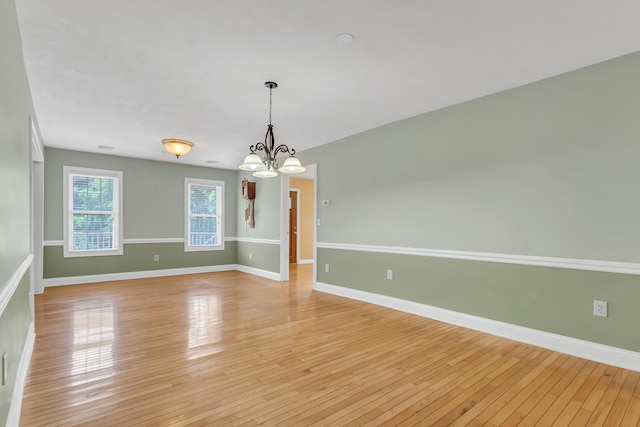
pixel 177 147
pixel 267 166
pixel 344 38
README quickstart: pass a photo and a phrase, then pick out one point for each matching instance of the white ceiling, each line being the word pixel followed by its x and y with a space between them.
pixel 127 74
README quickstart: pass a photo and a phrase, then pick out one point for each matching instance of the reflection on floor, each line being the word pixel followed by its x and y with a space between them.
pixel 235 349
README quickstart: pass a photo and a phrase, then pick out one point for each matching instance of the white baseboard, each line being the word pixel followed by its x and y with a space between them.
pixel 13 419
pixel 258 272
pixel 305 261
pixel 575 347
pixel 74 280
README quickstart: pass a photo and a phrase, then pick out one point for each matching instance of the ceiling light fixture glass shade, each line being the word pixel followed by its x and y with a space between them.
pixel 266 173
pixel 267 166
pixel 253 162
pixel 292 165
pixel 177 147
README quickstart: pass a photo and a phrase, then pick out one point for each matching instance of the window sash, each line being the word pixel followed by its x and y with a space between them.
pixel 87 237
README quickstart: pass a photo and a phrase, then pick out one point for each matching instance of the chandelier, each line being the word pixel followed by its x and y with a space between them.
pixel 267 166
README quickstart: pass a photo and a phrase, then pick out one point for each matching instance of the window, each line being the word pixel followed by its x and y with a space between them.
pixel 203 220
pixel 92 212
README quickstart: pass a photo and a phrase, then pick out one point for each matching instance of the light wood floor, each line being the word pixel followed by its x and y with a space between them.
pixel 234 349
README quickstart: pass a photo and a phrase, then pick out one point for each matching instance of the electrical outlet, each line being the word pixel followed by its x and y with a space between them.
pixel 326 268
pixel 600 308
pixel 389 274
pixel 250 255
pixel 156 257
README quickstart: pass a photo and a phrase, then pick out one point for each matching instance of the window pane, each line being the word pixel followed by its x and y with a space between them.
pixel 92 193
pixel 204 231
pixel 92 232
pixel 203 200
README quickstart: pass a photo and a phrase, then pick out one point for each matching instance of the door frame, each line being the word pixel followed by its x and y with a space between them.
pixel 37 210
pixel 284 227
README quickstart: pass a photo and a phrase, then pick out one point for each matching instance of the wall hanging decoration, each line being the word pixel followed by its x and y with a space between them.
pixel 249 193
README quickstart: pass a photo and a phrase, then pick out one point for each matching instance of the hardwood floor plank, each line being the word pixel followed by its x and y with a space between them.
pixel 570 405
pixel 632 414
pixel 601 411
pixel 450 404
pixel 234 349
pixel 508 401
pixel 623 399
pixel 564 395
pixel 532 394
pixel 541 405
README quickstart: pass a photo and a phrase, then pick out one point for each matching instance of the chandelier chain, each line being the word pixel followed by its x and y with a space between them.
pixel 270 102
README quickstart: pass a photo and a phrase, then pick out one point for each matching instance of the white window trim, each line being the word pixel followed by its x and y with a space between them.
pixel 220 198
pixel 67 218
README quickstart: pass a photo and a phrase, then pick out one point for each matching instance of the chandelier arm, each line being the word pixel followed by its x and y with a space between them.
pixel 260 146
pixel 284 149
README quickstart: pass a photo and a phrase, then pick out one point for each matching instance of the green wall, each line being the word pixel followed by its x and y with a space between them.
pixel 266 256
pixel 153 204
pixel 548 169
pixel 14 323
pixel 266 206
pixel 555 300
pixel 136 257
pixel 153 195
pixel 15 109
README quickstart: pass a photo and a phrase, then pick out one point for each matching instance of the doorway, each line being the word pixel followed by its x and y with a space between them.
pixel 298 221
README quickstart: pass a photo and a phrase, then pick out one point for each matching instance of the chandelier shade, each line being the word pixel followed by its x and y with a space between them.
pixel 177 147
pixel 292 165
pixel 265 173
pixel 267 166
pixel 253 162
